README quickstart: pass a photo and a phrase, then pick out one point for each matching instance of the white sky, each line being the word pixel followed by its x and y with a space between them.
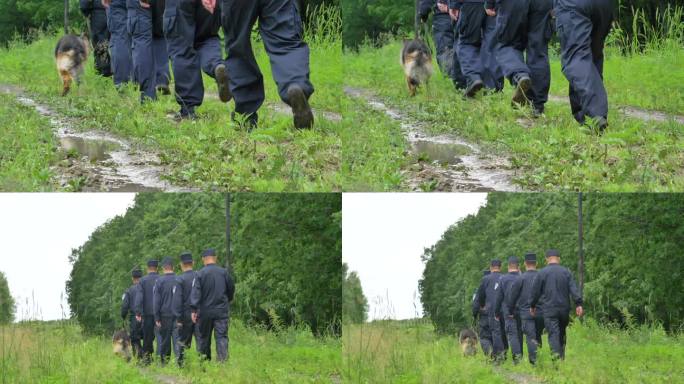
pixel 383 237
pixel 37 233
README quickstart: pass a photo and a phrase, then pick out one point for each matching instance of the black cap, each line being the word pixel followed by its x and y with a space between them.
pixel 531 257
pixel 186 257
pixel 512 260
pixel 495 263
pixel 209 252
pixel 485 272
pixel 152 263
pixel 167 262
pixel 552 252
pixel 136 273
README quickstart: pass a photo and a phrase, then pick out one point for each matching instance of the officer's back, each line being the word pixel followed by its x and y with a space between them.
pixel 185 281
pixel 216 290
pixel 489 289
pixel 522 293
pixel 165 287
pixel 147 291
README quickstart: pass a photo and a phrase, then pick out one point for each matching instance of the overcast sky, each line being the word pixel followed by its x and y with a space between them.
pixel 38 231
pixel 383 237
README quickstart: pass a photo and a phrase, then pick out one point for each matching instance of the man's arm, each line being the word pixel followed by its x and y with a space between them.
pixel 575 294
pixel 86 7
pixel 230 288
pixel 137 302
pixel 125 305
pixel 481 297
pixel 156 301
pixel 424 8
pixel 537 287
pixel 177 300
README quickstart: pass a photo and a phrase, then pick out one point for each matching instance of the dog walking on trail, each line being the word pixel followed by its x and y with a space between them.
pixel 71 54
pixel 212 292
pixel 417 63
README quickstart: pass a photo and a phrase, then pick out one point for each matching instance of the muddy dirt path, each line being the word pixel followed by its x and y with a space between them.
pixel 454 164
pixel 96 160
pixel 519 378
pixel 633 112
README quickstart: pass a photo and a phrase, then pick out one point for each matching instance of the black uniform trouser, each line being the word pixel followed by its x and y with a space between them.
pixel 219 325
pixel 533 328
pixel 514 335
pixel 477 46
pixel 149 332
pixel 192 36
pixel 280 27
pixel 99 36
pixel 525 27
pixel 497 336
pixel 556 324
pixel 485 335
pixel 445 36
pixel 165 334
pixel 183 336
pixel 582 27
pixel 135 333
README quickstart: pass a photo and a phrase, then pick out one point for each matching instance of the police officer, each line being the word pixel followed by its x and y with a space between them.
pixel 476 45
pixel 135 329
pixel 281 31
pixel 552 288
pixel 525 26
pixel 185 328
pixel 487 294
pixel 512 323
pixel 165 289
pixel 445 36
pixel 119 42
pixel 582 27
pixel 212 291
pixel 94 11
pixel 144 309
pixel 150 55
pixel 519 297
pixel 480 315
pixel 191 31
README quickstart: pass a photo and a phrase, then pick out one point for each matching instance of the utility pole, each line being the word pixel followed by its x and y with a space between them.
pixel 66 17
pixel 229 256
pixel 416 20
pixel 580 240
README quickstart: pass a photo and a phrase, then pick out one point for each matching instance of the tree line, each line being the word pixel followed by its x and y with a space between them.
pixel 373 19
pixel 24 19
pixel 632 247
pixel 6 301
pixel 285 255
pixel 354 302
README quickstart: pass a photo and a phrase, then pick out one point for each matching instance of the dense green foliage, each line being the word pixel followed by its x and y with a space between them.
pixel 6 301
pixel 632 245
pixel 286 255
pixel 354 302
pixel 372 19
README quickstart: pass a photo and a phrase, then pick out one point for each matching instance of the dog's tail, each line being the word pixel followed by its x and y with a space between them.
pixel 65 64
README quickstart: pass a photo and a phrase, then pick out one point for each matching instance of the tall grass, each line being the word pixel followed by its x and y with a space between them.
pixel 665 33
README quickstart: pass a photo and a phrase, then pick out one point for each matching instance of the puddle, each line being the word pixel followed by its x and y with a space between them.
pixel 99 161
pixel 633 112
pixel 450 163
pixel 285 109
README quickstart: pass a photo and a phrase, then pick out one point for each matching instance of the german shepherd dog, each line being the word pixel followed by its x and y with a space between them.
pixel 468 340
pixel 71 55
pixel 416 60
pixel 121 344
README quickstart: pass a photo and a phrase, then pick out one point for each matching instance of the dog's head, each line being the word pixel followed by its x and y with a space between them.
pixel 121 344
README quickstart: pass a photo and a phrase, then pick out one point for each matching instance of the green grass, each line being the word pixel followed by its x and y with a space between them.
pixel 549 153
pixel 57 352
pixel 27 148
pixel 411 352
pixel 211 153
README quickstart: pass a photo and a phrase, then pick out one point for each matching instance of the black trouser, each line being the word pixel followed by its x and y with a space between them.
pixel 485 335
pixel 149 332
pixel 556 323
pixel 183 336
pixel 99 35
pixel 445 36
pixel 219 325
pixel 533 328
pixel 497 337
pixel 135 333
pixel 514 335
pixel 165 334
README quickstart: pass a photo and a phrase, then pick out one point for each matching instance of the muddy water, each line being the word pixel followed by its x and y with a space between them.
pixel 635 113
pixel 449 163
pixel 99 161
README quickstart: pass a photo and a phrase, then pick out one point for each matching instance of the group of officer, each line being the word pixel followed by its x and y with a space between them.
pixel 172 308
pixel 512 305
pixel 141 36
pixel 479 42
